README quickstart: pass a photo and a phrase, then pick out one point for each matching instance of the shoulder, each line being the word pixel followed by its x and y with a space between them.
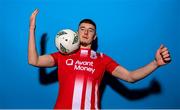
pixel 55 55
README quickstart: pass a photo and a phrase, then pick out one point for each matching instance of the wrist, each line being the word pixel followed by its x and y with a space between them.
pixel 32 27
pixel 155 63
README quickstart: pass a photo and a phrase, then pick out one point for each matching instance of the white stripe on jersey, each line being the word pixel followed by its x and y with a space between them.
pixel 96 96
pixel 77 95
pixel 88 95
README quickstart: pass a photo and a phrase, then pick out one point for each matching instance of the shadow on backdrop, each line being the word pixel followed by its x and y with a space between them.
pixel 129 94
pixel 44 77
pixel 135 94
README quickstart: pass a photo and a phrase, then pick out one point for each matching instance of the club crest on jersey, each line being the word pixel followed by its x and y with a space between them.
pixel 93 55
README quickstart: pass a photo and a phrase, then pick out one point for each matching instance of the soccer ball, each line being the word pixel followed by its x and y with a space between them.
pixel 67 41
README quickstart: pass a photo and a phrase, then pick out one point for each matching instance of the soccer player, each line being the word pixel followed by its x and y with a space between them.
pixel 80 73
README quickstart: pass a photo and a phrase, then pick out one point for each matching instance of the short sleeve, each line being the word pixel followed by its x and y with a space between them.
pixel 55 57
pixel 110 64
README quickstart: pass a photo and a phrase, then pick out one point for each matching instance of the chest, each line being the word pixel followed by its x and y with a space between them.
pixel 72 66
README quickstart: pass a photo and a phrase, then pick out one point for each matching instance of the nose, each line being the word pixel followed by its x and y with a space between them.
pixel 85 31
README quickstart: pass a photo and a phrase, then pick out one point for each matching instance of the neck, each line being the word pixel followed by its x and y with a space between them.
pixel 86 47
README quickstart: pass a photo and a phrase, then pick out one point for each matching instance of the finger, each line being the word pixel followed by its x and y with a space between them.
pixel 164 53
pixel 166 56
pixel 164 49
pixel 167 60
pixel 35 12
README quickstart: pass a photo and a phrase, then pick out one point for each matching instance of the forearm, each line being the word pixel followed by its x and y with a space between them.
pixel 32 51
pixel 144 71
pixel 162 58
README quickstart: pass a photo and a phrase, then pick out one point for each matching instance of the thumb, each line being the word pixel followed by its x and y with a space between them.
pixel 161 46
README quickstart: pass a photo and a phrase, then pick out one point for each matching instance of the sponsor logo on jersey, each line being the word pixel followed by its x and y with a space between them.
pixel 69 62
pixel 81 65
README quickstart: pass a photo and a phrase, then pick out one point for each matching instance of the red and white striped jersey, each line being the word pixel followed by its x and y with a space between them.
pixel 79 76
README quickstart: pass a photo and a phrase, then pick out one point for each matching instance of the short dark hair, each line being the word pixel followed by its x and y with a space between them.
pixel 88 21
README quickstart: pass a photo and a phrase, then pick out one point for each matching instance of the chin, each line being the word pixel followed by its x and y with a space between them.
pixel 84 43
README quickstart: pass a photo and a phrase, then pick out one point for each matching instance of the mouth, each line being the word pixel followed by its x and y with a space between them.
pixel 85 37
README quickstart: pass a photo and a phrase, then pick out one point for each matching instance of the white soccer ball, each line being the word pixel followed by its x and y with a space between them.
pixel 67 41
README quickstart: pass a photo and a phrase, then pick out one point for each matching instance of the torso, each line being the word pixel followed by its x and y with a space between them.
pixel 79 76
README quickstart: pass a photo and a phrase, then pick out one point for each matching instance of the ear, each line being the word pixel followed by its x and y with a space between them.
pixel 95 36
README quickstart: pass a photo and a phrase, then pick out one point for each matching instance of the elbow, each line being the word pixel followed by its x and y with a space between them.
pixel 31 62
pixel 132 79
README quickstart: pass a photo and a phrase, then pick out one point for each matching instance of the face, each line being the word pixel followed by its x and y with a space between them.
pixel 87 34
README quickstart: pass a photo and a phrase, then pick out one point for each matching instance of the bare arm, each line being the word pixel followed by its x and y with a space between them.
pixel 162 58
pixel 33 57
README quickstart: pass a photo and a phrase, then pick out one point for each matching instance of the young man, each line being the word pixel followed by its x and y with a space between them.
pixel 80 73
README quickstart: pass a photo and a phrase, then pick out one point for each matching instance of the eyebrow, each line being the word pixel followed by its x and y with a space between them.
pixel 88 28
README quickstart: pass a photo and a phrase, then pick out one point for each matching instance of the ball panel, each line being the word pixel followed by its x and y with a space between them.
pixel 63 49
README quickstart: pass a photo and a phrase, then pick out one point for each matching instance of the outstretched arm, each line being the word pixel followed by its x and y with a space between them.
pixel 162 57
pixel 33 57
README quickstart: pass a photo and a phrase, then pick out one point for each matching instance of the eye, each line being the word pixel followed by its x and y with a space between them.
pixel 82 28
pixel 91 30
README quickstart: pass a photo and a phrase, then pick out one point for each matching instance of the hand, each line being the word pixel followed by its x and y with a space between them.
pixel 33 19
pixel 162 56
